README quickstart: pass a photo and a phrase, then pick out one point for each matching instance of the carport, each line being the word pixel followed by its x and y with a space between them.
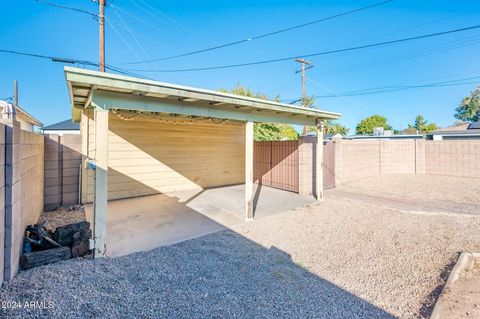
pixel 170 147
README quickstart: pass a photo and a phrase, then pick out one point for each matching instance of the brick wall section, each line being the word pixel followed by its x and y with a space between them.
pixel 62 170
pixel 24 184
pixel 2 200
pixel 397 157
pixel 420 156
pixel 306 174
pixel 356 160
pixel 453 158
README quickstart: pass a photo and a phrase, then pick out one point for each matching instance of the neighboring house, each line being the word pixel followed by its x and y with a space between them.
pixel 327 136
pixel 384 137
pixel 465 131
pixel 61 128
pixel 27 121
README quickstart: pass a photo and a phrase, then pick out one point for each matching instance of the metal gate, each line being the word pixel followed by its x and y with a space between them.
pixel 328 164
pixel 275 164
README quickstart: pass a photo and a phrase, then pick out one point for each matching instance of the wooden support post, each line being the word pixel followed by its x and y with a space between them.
pixel 249 170
pixel 84 131
pixel 319 161
pixel 101 182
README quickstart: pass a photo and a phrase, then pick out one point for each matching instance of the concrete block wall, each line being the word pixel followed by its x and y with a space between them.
pixel 23 190
pixel 453 158
pixel 420 160
pixel 62 170
pixel 356 160
pixel 306 156
pixel 2 201
pixel 397 157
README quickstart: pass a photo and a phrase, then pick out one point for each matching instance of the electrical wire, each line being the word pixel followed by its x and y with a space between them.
pixel 135 39
pixel 122 38
pixel 391 88
pixel 73 61
pixel 174 23
pixel 52 58
pixel 143 21
pixel 262 35
pixel 366 46
pixel 68 8
pixel 412 54
pixel 339 94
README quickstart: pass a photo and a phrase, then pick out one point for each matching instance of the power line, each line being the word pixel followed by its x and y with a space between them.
pixel 72 61
pixel 52 58
pixel 314 54
pixel 67 8
pixel 340 95
pixel 134 38
pixel 120 36
pixel 435 49
pixel 384 89
pixel 262 35
pixel 174 24
pixel 143 21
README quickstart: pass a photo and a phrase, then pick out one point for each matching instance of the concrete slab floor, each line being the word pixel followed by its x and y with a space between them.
pixel 143 223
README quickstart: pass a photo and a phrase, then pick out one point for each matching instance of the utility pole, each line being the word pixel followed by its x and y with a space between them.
pixel 304 89
pixel 15 93
pixel 101 22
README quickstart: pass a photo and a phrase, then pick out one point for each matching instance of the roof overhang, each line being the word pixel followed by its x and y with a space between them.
pixel 110 91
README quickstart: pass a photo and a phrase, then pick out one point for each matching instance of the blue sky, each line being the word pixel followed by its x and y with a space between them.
pixel 181 26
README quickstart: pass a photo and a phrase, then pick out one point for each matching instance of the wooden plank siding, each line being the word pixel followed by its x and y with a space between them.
pixel 62 170
pixel 147 155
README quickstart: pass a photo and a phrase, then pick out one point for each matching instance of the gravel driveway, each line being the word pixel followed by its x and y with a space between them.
pixel 342 258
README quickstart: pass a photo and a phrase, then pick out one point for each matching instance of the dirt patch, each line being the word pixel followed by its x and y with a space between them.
pixel 62 216
pixel 462 299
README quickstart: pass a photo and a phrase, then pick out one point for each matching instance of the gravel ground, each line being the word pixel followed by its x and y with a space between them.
pixel 462 300
pixel 430 187
pixel 341 258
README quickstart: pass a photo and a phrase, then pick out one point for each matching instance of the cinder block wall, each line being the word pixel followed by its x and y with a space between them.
pixel 453 158
pixel 306 175
pixel 23 190
pixel 356 160
pixel 62 170
pixel 397 157
pixel 2 201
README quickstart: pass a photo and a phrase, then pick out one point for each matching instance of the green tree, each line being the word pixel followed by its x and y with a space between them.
pixel 336 128
pixel 332 127
pixel 365 126
pixel 421 125
pixel 265 131
pixel 469 108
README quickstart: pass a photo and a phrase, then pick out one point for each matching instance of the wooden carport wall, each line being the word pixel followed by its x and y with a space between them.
pixel 103 91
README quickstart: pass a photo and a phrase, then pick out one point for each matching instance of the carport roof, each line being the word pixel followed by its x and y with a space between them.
pixel 89 88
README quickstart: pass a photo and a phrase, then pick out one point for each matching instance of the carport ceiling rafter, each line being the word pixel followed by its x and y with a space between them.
pixel 110 91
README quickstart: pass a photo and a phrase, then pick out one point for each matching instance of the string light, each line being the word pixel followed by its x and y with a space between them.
pixel 172 118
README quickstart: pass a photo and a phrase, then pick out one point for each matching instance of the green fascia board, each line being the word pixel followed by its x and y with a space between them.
pixel 125 101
